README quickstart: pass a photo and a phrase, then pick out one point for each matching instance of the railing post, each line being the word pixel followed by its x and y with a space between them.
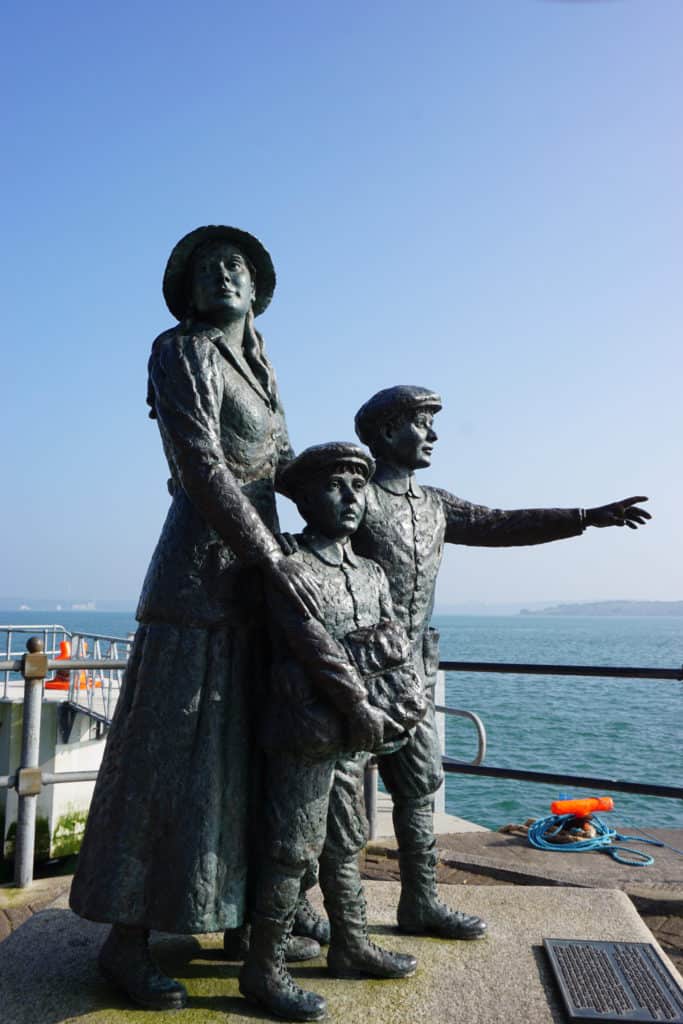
pixel 440 698
pixel 34 670
pixel 370 793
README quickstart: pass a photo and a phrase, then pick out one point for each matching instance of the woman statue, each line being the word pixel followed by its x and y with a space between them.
pixel 166 841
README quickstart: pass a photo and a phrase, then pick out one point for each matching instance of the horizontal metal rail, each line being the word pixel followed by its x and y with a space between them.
pixel 56 664
pixel 51 778
pixel 51 627
pixel 563 670
pixel 450 764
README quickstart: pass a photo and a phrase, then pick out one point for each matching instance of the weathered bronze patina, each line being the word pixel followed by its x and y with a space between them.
pixel 404 529
pixel 313 805
pixel 314 652
pixel 166 845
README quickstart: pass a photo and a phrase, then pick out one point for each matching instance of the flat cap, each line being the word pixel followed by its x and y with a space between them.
pixel 176 285
pixel 391 402
pixel 319 457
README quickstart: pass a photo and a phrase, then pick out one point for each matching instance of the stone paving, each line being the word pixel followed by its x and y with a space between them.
pixel 480 872
pixel 48 967
pixel 489 858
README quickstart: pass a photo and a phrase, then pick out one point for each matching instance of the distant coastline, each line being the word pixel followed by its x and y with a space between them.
pixel 26 605
pixel 639 608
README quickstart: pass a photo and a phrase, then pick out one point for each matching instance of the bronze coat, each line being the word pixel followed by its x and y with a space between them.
pixel 166 841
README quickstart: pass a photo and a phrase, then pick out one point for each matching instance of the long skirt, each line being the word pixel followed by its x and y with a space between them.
pixel 166 843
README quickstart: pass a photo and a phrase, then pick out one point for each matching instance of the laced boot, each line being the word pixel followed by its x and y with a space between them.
pixel 236 943
pixel 352 953
pixel 265 980
pixel 126 962
pixel 298 948
pixel 420 911
pixel 308 922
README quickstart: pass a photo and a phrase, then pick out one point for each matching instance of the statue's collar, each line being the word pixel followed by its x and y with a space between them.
pixel 236 359
pixel 395 483
pixel 331 552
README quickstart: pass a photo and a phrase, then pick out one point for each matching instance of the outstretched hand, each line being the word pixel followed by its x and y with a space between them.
pixel 619 513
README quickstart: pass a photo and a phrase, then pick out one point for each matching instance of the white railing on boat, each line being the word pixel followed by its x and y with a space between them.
pixel 90 687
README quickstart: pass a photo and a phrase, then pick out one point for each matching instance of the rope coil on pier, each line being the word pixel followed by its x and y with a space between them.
pixel 555 833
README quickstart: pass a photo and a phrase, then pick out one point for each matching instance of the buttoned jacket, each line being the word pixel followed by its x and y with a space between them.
pixel 405 533
pixel 306 707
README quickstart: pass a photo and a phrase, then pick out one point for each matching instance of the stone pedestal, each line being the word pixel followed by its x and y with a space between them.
pixel 48 970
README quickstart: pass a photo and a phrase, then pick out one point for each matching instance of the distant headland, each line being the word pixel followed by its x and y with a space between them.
pixel 610 608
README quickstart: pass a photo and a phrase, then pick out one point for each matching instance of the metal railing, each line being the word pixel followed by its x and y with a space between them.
pixel 453 765
pixel 520 669
pixel 34 666
pixel 95 694
pixel 28 780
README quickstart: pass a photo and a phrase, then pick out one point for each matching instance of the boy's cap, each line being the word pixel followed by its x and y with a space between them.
pixel 314 460
pixel 390 402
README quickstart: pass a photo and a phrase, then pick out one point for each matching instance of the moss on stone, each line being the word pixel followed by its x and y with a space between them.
pixel 64 842
pixel 68 834
pixel 9 895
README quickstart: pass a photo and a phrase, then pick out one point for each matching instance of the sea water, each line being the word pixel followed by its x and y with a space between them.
pixel 627 729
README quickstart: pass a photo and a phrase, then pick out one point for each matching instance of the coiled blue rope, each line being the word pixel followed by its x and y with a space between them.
pixel 604 840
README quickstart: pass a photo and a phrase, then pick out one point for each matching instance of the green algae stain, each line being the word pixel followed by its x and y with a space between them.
pixel 68 834
pixel 64 842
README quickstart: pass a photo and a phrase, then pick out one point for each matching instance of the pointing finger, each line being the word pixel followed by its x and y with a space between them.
pixel 631 501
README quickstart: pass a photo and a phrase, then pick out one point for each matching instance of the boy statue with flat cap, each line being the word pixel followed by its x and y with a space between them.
pixel 313 804
pixel 404 530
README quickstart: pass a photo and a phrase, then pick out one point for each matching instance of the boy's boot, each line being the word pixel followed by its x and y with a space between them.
pixel 264 978
pixel 352 952
pixel 126 962
pixel 298 948
pixel 308 922
pixel 420 911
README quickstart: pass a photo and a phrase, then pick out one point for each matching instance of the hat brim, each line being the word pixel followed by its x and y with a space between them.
pixel 317 460
pixel 176 286
pixel 391 402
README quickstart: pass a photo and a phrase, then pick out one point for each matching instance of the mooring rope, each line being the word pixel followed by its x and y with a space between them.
pixel 557 834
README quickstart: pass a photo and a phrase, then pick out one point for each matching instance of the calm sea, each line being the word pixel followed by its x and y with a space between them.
pixel 614 728
pixel 626 729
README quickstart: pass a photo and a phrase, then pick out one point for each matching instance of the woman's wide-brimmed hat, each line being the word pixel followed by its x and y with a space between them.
pixel 176 285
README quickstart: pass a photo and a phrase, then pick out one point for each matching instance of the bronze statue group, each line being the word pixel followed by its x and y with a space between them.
pixel 268 669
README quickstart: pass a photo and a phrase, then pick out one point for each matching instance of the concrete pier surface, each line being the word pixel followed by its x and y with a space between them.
pixel 49 975
pixel 511 858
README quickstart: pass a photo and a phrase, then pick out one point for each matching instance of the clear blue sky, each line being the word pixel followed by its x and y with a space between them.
pixel 483 196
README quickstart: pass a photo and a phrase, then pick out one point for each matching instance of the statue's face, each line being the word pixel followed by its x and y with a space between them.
pixel 221 282
pixel 410 444
pixel 334 505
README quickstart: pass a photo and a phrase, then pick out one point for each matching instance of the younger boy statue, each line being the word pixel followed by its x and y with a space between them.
pixel 404 530
pixel 313 804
